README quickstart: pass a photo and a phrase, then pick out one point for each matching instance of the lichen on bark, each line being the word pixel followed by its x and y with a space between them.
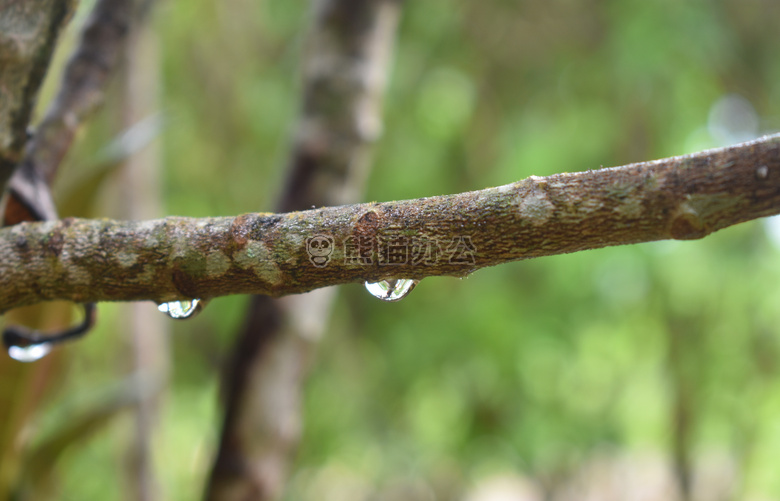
pixel 178 258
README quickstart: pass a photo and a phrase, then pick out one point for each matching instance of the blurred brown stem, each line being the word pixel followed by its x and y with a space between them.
pixel 138 196
pixel 344 72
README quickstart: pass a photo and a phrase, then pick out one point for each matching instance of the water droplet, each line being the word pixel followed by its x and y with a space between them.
pixel 393 289
pixel 181 310
pixel 29 353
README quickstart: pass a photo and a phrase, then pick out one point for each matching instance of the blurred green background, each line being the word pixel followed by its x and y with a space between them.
pixel 566 372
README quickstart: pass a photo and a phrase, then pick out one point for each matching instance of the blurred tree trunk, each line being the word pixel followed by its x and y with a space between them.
pixel 139 190
pixel 345 66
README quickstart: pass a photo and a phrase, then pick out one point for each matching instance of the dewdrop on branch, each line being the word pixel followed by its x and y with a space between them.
pixel 29 353
pixel 182 310
pixel 393 289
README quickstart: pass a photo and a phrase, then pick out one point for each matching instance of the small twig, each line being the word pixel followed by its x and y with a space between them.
pixel 22 336
pixel 682 198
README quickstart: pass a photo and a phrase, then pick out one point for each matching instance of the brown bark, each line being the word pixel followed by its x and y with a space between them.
pixel 28 35
pixel 81 91
pixel 682 198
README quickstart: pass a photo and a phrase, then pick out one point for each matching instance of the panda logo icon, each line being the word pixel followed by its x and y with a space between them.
pixel 319 248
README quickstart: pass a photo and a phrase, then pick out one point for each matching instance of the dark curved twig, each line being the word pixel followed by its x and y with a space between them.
pixel 17 335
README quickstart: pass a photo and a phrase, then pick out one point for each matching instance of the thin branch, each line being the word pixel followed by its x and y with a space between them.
pixel 683 198
pixel 83 84
pixel 28 35
pixel 81 91
pixel 16 335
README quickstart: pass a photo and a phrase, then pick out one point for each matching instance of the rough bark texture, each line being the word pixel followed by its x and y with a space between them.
pixel 344 73
pixel 28 34
pixel 683 198
pixel 81 91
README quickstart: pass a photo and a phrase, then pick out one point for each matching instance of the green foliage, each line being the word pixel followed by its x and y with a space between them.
pixel 533 367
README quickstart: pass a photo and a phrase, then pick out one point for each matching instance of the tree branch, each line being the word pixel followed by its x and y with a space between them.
pixel 83 84
pixel 81 92
pixel 28 33
pixel 682 198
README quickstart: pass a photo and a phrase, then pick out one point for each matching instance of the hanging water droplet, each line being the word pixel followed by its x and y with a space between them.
pixel 181 310
pixel 29 353
pixel 393 289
